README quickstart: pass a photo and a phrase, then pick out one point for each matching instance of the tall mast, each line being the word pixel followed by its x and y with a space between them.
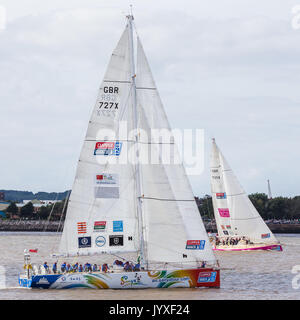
pixel 269 190
pixel 137 166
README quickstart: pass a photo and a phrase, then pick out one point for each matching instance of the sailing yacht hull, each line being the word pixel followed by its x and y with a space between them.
pixel 276 247
pixel 190 278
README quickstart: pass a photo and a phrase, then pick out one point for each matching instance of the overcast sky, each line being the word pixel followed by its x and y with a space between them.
pixel 229 67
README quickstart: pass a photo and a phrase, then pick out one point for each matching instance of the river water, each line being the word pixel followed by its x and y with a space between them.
pixel 244 275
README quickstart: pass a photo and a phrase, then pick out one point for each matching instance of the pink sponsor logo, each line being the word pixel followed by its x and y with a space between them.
pixel 224 213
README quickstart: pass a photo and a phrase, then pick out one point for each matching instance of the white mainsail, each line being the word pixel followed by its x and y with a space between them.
pixel 123 206
pixel 102 205
pixel 234 212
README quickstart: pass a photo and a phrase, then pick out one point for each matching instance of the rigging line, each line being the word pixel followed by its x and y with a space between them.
pixel 246 218
pixel 141 142
pixel 237 194
pixel 161 199
pixel 62 213
pixel 51 211
pixel 145 88
pixel 119 81
pixel 121 115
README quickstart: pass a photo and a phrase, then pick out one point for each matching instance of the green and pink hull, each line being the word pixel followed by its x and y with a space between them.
pixel 276 247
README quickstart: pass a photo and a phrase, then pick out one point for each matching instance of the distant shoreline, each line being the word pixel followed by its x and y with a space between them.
pixel 55 226
pixel 30 226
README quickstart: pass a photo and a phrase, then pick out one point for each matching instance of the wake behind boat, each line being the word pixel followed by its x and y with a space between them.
pixel 119 205
pixel 240 227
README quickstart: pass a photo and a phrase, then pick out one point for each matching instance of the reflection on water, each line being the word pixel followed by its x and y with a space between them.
pixel 245 275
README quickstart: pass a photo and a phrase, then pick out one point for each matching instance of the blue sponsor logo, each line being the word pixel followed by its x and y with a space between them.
pixel 100 241
pixel 107 148
pixel 118 226
pixel 84 242
pixel 265 235
pixel 195 245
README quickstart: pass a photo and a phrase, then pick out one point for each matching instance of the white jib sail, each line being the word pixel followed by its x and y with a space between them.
pixel 234 212
pixel 101 215
pixel 174 231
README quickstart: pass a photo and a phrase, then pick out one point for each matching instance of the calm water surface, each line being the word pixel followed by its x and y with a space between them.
pixel 245 275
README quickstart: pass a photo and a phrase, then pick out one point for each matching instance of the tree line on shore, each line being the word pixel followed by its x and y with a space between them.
pixel 53 212
pixel 275 208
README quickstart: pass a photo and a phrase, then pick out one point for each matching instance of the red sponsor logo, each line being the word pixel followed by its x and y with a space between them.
pixel 193 242
pixel 100 223
pixel 81 227
pixel 105 145
pixel 204 274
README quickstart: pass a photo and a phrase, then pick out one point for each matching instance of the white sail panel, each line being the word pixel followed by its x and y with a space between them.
pixel 175 233
pixel 101 215
pixel 244 218
pixel 219 196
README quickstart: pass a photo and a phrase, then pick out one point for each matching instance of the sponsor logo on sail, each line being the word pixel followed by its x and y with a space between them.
pixel 107 186
pixel 265 235
pixel 221 195
pixel 84 242
pixel 116 240
pixel 195 244
pixel 222 227
pixel 106 178
pixel 107 148
pixel 224 212
pixel 99 226
pixel 118 226
pixel 81 227
pixel 100 241
pixel 228 227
